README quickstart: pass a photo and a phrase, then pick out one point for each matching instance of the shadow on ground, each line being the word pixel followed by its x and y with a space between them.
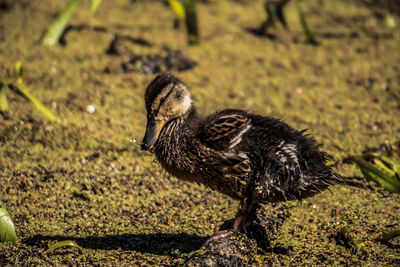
pixel 159 244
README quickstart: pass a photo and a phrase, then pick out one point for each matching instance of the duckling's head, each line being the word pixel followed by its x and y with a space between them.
pixel 167 98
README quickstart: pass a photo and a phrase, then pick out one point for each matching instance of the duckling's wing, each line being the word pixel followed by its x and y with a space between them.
pixel 223 130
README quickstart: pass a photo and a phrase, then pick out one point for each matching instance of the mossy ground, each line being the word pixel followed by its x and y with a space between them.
pixel 83 179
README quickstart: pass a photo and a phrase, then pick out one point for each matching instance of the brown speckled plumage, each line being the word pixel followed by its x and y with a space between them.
pixel 248 157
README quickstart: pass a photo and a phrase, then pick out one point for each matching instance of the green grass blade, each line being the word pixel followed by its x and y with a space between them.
pixel 94 5
pixel 3 98
pixel 19 69
pixel 372 173
pixel 271 16
pixel 7 230
pixel 310 36
pixel 191 21
pixel 384 162
pixel 177 7
pixel 366 166
pixel 394 166
pixel 57 27
pixel 65 243
pixel 383 183
pixel 383 166
pixel 390 235
pixel 22 91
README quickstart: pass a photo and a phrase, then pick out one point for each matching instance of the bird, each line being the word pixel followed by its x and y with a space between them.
pixel 251 158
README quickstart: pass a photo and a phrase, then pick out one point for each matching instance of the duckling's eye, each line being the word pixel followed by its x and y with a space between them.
pixel 162 99
pixel 178 95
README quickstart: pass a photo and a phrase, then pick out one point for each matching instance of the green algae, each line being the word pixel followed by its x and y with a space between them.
pixel 84 180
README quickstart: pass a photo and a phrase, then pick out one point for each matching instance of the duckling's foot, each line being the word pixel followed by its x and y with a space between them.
pixel 221 234
pixel 244 218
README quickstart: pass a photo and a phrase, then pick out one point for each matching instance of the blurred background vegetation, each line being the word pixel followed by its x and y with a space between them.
pixel 72 78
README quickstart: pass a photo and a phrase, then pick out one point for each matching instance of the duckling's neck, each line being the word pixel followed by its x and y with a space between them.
pixel 174 143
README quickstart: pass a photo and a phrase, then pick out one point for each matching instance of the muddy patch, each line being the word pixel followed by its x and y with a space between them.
pixel 167 60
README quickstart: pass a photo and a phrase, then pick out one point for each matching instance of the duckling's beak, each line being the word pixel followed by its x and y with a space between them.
pixel 153 130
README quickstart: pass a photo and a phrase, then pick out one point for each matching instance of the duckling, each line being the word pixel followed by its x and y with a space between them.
pixel 251 158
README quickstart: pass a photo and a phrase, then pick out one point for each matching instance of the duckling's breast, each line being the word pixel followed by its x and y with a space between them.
pixel 228 174
pixel 185 157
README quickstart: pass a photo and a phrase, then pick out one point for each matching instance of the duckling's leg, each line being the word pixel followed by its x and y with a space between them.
pixel 245 215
